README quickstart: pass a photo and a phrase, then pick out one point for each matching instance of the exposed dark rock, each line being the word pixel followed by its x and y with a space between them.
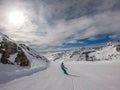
pixel 118 48
pixel 4 60
pixel 12 52
pixel 8 48
pixel 22 60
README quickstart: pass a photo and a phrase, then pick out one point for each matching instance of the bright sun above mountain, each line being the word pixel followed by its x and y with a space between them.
pixel 16 18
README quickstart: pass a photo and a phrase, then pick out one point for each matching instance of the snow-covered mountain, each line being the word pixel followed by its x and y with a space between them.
pixel 82 75
pixel 15 53
pixel 18 60
pixel 109 51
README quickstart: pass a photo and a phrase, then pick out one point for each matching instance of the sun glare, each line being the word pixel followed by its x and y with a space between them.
pixel 16 18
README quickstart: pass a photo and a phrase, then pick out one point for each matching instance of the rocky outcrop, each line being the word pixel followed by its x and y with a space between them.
pixel 8 48
pixel 118 47
pixel 22 59
pixel 15 53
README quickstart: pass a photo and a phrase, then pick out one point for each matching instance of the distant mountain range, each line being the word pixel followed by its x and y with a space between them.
pixel 110 51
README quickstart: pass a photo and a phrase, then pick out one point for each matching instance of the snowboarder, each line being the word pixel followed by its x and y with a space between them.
pixel 64 68
pixel 65 71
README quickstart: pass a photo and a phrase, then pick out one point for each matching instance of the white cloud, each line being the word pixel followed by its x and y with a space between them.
pixel 41 32
pixel 115 36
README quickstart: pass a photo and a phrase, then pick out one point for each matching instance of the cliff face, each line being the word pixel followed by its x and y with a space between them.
pixel 20 54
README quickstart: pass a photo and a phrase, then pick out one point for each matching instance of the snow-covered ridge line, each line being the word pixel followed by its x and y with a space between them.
pixel 109 51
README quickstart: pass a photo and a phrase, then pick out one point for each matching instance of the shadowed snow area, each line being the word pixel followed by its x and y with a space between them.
pixel 103 75
pixel 11 72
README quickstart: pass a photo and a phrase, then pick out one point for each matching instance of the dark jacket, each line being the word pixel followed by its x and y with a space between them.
pixel 64 69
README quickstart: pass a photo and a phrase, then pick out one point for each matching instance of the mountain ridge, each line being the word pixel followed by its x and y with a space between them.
pixel 12 52
pixel 86 53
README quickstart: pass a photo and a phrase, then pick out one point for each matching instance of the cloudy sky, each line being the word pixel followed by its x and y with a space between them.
pixel 52 24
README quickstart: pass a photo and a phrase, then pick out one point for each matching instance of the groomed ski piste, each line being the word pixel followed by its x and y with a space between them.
pixel 97 75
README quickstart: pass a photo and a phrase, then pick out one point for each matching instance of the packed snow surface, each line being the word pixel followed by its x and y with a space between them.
pixel 102 75
pixel 12 72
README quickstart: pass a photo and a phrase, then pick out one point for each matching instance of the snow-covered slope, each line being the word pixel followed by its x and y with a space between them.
pixel 34 57
pixel 108 52
pixel 101 75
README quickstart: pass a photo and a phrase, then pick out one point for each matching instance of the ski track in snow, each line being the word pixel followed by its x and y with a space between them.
pixel 93 76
